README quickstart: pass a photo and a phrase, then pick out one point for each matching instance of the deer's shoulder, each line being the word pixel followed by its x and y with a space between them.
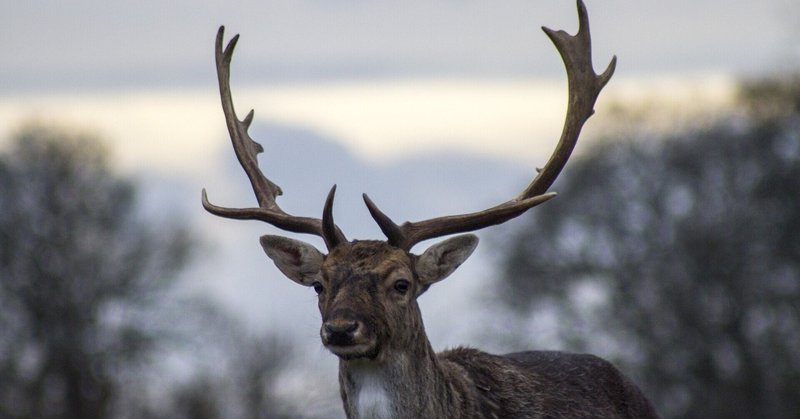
pixel 530 383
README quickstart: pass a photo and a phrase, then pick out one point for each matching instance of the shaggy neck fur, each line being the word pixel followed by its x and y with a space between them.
pixel 389 386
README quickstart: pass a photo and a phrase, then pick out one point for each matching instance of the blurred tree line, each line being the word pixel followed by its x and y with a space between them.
pixel 678 256
pixel 87 308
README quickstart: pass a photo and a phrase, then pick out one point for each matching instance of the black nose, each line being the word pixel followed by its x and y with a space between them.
pixel 339 332
pixel 341 327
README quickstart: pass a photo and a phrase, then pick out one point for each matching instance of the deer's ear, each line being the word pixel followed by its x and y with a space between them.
pixel 299 261
pixel 441 259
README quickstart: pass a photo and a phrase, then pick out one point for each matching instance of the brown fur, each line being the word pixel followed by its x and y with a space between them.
pixel 405 378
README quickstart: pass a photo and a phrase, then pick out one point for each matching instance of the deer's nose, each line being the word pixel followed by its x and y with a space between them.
pixel 340 331
pixel 341 326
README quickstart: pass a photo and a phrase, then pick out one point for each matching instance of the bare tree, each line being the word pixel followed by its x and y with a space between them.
pixel 80 272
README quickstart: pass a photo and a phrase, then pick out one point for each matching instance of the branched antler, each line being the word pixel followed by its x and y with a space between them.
pixel 247 153
pixel 584 87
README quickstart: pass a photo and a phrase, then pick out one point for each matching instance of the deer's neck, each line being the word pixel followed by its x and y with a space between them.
pixel 399 384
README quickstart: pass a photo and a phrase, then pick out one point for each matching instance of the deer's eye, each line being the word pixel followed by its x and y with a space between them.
pixel 402 286
pixel 318 288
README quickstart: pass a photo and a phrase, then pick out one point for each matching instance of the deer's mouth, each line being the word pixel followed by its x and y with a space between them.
pixel 354 351
pixel 350 344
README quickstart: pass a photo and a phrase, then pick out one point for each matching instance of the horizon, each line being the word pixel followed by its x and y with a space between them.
pixel 183 130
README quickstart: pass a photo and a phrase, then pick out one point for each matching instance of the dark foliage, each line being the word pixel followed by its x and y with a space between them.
pixel 680 257
pixel 87 308
pixel 78 272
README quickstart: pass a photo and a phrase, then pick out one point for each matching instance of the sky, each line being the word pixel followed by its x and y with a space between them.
pixel 387 80
pixel 403 98
pixel 96 44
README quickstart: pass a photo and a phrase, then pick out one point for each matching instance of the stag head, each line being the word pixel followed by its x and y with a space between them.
pixel 368 289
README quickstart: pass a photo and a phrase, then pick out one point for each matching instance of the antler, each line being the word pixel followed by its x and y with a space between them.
pixel 247 153
pixel 584 87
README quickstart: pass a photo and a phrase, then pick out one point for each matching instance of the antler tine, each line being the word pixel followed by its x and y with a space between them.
pixel 584 87
pixel 247 150
pixel 408 234
pixel 330 233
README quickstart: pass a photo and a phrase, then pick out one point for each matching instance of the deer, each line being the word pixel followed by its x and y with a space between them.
pixel 368 289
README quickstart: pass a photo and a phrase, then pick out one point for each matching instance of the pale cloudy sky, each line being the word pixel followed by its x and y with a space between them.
pixel 385 78
pixel 74 45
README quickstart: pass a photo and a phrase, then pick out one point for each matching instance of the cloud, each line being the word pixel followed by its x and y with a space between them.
pixel 381 121
pixel 98 44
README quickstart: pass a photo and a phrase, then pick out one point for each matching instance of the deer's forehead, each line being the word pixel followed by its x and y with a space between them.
pixel 363 258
